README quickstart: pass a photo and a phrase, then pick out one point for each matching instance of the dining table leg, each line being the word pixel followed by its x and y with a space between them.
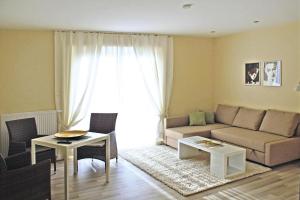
pixel 107 158
pixel 33 159
pixel 75 161
pixel 66 173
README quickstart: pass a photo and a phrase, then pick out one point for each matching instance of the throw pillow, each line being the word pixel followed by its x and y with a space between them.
pixel 197 119
pixel 210 117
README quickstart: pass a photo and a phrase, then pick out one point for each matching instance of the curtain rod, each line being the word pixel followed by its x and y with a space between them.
pixel 111 32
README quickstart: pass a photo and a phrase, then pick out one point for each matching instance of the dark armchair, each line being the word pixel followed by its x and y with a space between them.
pixel 101 123
pixel 20 180
pixel 21 132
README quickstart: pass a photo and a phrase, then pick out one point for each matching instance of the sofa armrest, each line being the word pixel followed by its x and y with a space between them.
pixel 171 122
pixel 282 151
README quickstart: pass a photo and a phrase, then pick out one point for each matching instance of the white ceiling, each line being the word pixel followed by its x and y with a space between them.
pixel 148 16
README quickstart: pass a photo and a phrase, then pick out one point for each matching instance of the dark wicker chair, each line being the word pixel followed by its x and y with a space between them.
pixel 21 132
pixel 101 123
pixel 20 180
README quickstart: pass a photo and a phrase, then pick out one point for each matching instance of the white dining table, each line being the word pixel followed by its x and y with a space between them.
pixel 52 142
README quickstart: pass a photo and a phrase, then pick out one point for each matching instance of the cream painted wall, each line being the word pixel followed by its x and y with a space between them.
pixel 192 85
pixel 231 53
pixel 26 71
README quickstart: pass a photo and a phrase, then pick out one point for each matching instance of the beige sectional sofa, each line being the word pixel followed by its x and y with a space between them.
pixel 270 137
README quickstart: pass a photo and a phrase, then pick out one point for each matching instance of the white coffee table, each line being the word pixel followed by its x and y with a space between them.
pixel 225 160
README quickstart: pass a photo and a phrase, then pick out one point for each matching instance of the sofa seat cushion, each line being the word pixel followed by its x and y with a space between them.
pixel 249 118
pixel 188 131
pixel 246 138
pixel 280 122
pixel 225 114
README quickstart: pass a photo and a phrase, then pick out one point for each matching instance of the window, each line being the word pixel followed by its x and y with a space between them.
pixel 119 87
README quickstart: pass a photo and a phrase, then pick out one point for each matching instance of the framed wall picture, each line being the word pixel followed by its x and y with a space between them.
pixel 272 73
pixel 252 76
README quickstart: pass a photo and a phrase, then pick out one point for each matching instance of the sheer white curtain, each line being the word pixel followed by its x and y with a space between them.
pixel 155 58
pixel 128 74
pixel 76 61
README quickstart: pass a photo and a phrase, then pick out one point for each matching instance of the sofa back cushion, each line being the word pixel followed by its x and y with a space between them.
pixel 280 123
pixel 225 114
pixel 171 122
pixel 248 118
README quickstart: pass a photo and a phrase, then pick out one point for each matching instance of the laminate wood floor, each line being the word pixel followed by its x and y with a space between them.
pixel 128 182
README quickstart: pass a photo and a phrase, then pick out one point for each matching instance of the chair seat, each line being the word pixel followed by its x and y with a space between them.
pixel 44 153
pixel 97 144
pixel 39 149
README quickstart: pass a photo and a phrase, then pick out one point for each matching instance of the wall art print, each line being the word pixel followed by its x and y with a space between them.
pixel 272 73
pixel 252 75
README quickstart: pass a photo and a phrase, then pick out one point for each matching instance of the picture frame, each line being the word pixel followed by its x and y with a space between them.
pixel 252 73
pixel 271 73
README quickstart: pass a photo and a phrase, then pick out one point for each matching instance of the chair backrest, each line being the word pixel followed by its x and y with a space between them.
pixel 103 122
pixel 22 130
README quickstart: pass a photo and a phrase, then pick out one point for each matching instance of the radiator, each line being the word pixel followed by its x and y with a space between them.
pixel 46 122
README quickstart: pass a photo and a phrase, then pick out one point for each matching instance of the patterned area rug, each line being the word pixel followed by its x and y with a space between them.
pixel 188 176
